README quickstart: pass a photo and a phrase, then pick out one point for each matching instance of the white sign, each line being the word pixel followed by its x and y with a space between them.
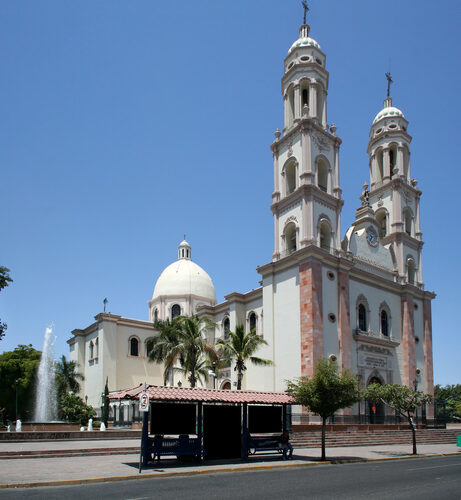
pixel 144 401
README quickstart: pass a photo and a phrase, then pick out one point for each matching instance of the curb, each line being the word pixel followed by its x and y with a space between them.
pixel 73 482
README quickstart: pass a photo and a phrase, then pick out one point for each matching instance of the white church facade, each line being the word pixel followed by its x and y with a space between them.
pixel 358 299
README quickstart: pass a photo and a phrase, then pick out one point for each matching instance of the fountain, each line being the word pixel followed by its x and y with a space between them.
pixel 45 400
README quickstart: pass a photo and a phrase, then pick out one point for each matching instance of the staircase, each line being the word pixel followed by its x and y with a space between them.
pixel 313 439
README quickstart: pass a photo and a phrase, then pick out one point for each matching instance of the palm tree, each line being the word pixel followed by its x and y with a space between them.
pixel 241 347
pixel 67 376
pixel 182 340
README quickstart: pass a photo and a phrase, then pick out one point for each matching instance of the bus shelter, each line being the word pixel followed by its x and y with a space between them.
pixel 209 423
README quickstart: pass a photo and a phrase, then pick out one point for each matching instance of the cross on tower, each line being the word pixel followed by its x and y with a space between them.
pixel 306 8
pixel 389 81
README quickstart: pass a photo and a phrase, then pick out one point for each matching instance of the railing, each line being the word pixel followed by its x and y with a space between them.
pixel 374 335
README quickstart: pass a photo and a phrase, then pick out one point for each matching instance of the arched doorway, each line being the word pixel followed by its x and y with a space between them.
pixel 226 386
pixel 376 411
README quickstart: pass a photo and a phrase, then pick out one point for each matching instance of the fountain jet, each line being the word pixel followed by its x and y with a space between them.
pixel 45 399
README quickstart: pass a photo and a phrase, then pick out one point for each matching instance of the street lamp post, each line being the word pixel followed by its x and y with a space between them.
pixel 16 382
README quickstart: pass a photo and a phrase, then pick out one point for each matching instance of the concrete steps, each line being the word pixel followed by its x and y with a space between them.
pixel 69 453
pixel 312 439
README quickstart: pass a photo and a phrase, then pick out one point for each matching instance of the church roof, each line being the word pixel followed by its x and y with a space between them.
pixel 161 393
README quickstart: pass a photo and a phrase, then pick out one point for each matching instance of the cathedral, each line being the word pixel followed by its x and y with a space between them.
pixel 357 299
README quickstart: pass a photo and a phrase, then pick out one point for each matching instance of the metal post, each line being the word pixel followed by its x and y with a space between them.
pixel 245 431
pixel 200 428
pixel 16 381
pixel 284 418
pixel 145 437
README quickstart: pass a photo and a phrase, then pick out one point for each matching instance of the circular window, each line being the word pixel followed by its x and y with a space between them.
pixel 330 275
pixel 416 340
pixel 392 125
pixel 415 306
pixel 291 65
pixel 379 131
pixel 305 58
pixel 332 317
pixel 318 61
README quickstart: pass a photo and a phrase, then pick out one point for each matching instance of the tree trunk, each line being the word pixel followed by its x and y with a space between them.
pixel 239 380
pixel 413 431
pixel 324 427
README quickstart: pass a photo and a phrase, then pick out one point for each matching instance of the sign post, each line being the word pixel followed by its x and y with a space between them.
pixel 144 409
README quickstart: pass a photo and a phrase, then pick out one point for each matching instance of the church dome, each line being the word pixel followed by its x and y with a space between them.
pixel 304 40
pixel 184 278
pixel 388 112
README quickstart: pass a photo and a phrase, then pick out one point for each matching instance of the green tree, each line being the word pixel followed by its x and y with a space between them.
pixel 5 279
pixel 240 348
pixel 72 408
pixel 17 379
pixel 450 395
pixel 105 407
pixel 402 399
pixel 182 341
pixel 326 392
pixel 67 376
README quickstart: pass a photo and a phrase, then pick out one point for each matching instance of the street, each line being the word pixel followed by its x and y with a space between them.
pixel 421 478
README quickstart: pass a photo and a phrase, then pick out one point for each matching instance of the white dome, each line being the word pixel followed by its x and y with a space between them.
pixel 304 42
pixel 388 112
pixel 185 278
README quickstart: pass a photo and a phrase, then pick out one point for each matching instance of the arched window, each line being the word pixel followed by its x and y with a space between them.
pixel 134 347
pixel 96 348
pixel 408 221
pixel 381 219
pixel 411 271
pixel 362 313
pixel 320 104
pixel 325 235
pixel 290 177
pixel 252 321
pixel 226 327
pixel 91 350
pixel 155 315
pixel 175 311
pixel 290 238
pixel 384 323
pixel 322 175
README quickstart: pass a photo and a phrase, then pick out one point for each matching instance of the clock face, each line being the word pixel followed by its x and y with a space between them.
pixel 372 237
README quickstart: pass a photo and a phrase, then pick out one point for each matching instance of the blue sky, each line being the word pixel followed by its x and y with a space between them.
pixel 125 125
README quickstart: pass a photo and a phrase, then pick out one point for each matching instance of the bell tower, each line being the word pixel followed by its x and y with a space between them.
pixel 394 195
pixel 306 202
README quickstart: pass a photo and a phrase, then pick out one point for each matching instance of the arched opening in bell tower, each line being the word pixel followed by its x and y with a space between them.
pixel 290 238
pixel 381 219
pixel 322 174
pixel 290 177
pixel 325 235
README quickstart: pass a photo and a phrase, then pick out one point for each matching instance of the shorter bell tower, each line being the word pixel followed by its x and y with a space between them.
pixel 394 195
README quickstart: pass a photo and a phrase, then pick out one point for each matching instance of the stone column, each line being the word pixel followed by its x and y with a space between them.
pixel 276 254
pixel 311 315
pixel 396 210
pixel 386 164
pixel 344 324
pixel 297 110
pixel 336 189
pixel 276 195
pixel 428 368
pixel 324 114
pixel 306 160
pixel 374 170
pixel 313 99
pixel 400 165
pixel 408 341
pixel 285 111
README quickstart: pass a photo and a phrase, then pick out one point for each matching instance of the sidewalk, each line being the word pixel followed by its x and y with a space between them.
pixel 80 469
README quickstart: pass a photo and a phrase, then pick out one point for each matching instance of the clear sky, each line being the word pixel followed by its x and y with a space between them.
pixel 125 125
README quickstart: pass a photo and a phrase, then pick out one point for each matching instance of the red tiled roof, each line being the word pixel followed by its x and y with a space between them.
pixel 160 393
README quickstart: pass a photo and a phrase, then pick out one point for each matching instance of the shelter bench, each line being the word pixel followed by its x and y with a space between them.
pixel 264 443
pixel 182 446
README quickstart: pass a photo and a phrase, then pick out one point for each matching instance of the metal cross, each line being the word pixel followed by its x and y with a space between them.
pixel 306 8
pixel 389 81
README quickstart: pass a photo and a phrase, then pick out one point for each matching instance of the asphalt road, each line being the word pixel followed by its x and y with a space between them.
pixel 423 478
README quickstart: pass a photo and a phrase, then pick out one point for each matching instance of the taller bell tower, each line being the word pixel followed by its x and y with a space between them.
pixel 394 195
pixel 306 202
